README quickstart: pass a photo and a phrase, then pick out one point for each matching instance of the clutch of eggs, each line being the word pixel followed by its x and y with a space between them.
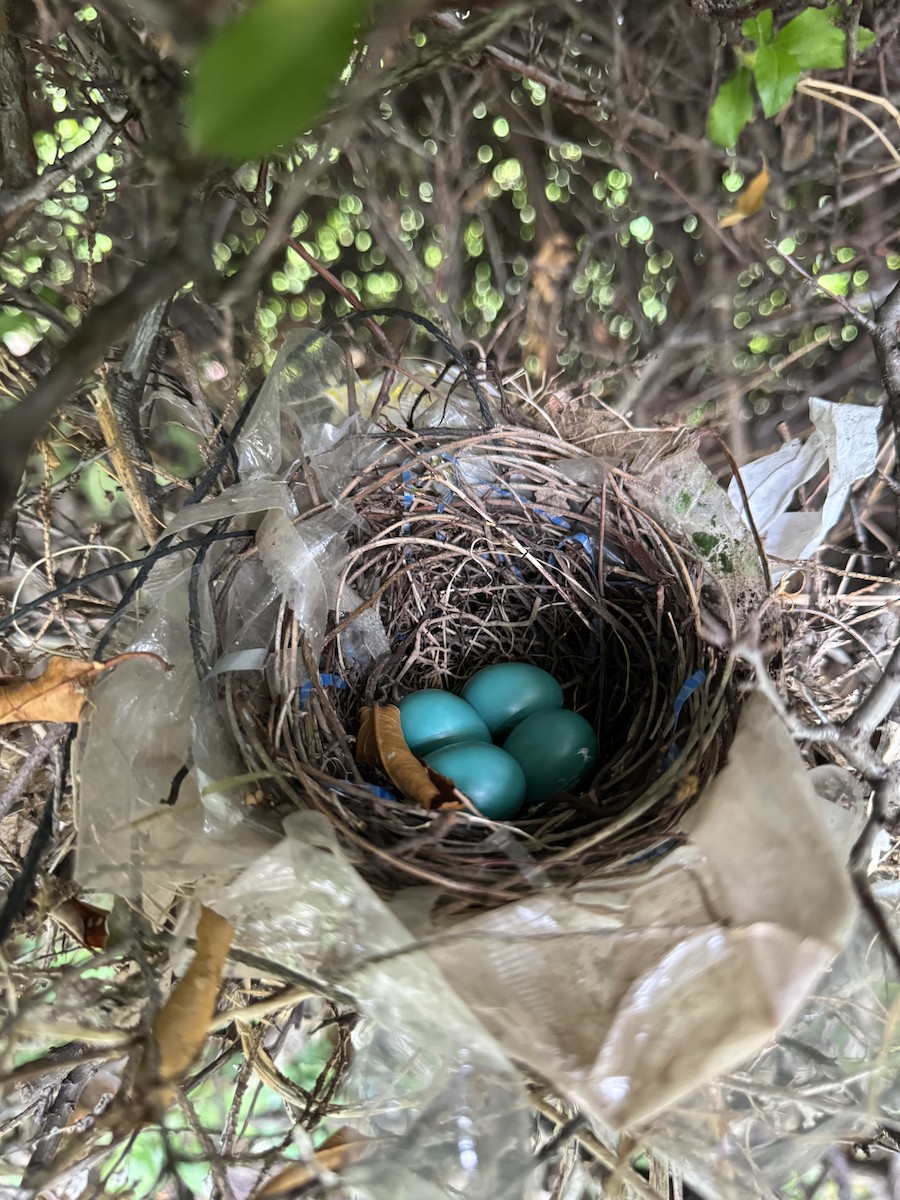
pixel 546 748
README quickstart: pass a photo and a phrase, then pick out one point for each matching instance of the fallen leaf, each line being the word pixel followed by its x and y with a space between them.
pixel 337 1152
pixel 84 922
pixel 750 201
pixel 181 1024
pixel 550 268
pixel 381 744
pixel 59 694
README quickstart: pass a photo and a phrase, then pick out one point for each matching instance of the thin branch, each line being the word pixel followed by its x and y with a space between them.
pixel 868 323
pixel 880 702
pixel 16 205
pixel 886 336
pixel 119 417
pixel 18 785
pixel 805 87
pixel 18 161
pixel 860 857
pixel 19 894
pixel 22 425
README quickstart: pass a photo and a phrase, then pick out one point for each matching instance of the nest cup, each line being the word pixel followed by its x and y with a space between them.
pixel 481 547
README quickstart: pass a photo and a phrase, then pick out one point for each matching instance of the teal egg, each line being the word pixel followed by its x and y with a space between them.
pixel 507 693
pixel 556 750
pixel 491 778
pixel 432 718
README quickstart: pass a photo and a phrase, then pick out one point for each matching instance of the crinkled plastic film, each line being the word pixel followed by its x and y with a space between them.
pixel 424 1070
pixel 451 1099
pixel 632 992
pixel 832 1074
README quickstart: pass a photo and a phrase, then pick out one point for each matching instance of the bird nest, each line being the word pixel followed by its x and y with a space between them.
pixel 478 548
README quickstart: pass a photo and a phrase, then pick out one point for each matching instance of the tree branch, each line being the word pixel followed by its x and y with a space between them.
pixel 105 325
pixel 16 205
pixel 18 161
pixel 886 336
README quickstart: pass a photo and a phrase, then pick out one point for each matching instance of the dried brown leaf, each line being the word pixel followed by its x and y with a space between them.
pixel 381 744
pixel 337 1152
pixel 181 1024
pixel 84 922
pixel 750 201
pixel 59 694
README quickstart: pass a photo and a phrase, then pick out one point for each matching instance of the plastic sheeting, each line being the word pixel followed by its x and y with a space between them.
pixel 630 994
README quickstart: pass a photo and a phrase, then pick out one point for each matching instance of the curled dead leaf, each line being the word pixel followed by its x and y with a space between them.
pixel 750 200
pixel 181 1024
pixel 381 744
pixel 60 693
pixel 82 921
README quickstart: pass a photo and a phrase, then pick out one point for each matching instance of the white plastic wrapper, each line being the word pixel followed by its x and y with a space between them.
pixel 845 438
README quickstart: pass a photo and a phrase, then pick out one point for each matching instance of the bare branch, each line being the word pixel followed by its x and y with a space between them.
pixel 18 161
pixel 104 326
pixel 880 702
pixel 886 336
pixel 16 205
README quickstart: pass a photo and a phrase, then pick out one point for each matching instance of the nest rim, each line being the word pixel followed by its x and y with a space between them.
pixel 397 843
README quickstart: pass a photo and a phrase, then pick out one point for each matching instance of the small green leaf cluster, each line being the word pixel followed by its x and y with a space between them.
pixel 812 41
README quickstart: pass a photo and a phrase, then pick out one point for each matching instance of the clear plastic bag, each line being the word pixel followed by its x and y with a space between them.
pixel 635 991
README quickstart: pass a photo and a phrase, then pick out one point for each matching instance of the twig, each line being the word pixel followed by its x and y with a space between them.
pixel 168 546
pixel 20 891
pixel 868 323
pixel 16 205
pixel 886 337
pixel 18 161
pixel 879 703
pixel 827 85
pixel 342 290
pixel 118 415
pixel 861 855
pixel 18 785
pixel 458 357
pixel 58 1116
pixel 107 323
pixel 805 86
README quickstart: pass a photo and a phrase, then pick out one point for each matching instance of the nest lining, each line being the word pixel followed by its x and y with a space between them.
pixel 483 549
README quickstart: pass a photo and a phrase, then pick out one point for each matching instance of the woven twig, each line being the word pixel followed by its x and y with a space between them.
pixel 483 549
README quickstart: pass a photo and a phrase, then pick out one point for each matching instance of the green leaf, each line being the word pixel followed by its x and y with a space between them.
pixel 264 78
pixel 814 39
pixel 731 109
pixel 13 321
pixel 759 28
pixel 777 73
pixel 838 282
pixel 864 39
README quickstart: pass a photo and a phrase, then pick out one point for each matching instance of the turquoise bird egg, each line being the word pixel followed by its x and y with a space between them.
pixel 507 693
pixel 491 778
pixel 556 750
pixel 432 718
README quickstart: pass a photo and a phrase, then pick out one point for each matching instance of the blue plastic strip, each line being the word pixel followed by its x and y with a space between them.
pixel 689 686
pixel 655 852
pixel 381 793
pixel 561 522
pixel 326 680
pixel 583 539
